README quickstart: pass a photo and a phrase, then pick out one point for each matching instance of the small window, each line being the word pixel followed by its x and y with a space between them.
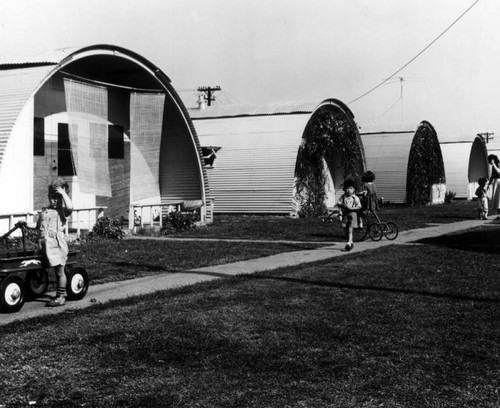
pixel 38 137
pixel 115 142
pixel 65 165
pixel 209 154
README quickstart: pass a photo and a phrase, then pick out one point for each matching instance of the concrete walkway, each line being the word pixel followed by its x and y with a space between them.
pixel 140 286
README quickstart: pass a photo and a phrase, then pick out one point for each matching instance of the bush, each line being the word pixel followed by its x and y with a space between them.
pixel 179 221
pixel 449 196
pixel 106 228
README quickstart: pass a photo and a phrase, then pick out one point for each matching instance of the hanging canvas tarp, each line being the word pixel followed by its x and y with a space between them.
pixel 146 119
pixel 87 107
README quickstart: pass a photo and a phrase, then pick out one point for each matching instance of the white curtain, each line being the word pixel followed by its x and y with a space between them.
pixel 146 120
pixel 87 107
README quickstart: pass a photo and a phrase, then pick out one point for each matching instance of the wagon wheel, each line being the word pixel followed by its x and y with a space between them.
pixel 78 283
pixel 37 283
pixel 12 294
pixel 391 231
pixel 359 234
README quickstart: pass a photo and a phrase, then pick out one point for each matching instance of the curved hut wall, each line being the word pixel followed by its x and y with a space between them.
pixel 34 109
pixel 254 172
pixel 407 161
pixel 465 162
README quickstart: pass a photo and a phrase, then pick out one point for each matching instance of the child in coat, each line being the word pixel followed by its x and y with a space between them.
pixel 348 204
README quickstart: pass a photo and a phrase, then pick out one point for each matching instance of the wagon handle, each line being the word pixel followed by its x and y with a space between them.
pixel 19 225
pixel 8 233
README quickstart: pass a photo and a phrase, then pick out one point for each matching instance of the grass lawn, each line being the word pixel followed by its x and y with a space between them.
pixel 399 326
pixel 109 261
pixel 314 229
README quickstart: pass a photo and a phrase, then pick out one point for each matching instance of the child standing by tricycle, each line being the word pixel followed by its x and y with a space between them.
pixel 369 192
pixel 482 197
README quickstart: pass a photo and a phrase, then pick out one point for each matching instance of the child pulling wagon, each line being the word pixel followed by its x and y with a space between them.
pixel 51 223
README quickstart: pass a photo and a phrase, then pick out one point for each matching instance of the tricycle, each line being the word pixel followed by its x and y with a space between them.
pixel 24 273
pixel 375 229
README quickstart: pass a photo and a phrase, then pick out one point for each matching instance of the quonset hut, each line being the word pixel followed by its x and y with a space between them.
pixel 106 120
pixel 257 152
pixel 465 161
pixel 407 162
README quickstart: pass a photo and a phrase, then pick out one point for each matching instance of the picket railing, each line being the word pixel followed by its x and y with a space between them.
pixel 81 218
pixel 151 214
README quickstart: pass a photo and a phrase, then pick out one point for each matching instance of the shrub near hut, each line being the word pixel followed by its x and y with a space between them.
pixel 328 135
pixel 425 166
pixel 179 221
pixel 106 228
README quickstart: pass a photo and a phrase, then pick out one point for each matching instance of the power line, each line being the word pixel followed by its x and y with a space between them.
pixel 387 111
pixel 416 56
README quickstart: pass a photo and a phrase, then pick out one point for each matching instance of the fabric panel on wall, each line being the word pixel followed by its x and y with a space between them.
pixel 87 107
pixel 146 119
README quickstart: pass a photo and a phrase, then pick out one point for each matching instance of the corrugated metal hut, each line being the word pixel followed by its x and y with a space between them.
pixel 407 161
pixel 465 161
pixel 105 119
pixel 257 149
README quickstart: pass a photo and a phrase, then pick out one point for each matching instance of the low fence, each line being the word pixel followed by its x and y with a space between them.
pixel 81 219
pixel 152 214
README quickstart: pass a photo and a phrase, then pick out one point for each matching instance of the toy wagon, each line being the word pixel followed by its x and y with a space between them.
pixel 24 275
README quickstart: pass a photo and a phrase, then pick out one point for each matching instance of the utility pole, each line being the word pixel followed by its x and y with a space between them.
pixel 208 91
pixel 486 135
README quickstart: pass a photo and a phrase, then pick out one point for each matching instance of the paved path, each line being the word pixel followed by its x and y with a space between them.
pixel 140 286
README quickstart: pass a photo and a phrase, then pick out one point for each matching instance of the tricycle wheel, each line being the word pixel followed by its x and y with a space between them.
pixel 12 294
pixel 359 234
pixel 375 232
pixel 391 231
pixel 37 283
pixel 78 283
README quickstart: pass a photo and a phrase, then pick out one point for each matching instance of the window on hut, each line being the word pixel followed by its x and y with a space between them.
pixel 38 137
pixel 209 154
pixel 116 148
pixel 65 164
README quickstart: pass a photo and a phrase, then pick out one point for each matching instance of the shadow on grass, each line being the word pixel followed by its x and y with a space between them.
pixel 351 286
pixel 378 289
pixel 484 240
pixel 147 267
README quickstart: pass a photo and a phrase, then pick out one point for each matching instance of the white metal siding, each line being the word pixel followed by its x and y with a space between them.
pixel 16 88
pixel 387 156
pixel 456 161
pixel 255 167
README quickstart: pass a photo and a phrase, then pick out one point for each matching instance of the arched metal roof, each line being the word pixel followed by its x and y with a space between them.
pixel 387 150
pixel 21 79
pixel 255 167
pixel 465 161
pixel 278 108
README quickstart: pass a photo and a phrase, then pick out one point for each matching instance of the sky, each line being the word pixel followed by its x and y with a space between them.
pixel 268 51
